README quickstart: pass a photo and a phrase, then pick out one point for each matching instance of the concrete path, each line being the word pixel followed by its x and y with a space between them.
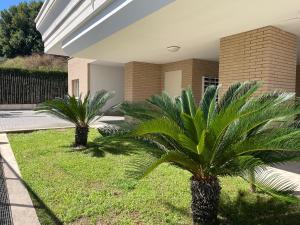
pixel 23 120
pixel 22 209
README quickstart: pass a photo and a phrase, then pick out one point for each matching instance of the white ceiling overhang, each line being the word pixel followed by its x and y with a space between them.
pixel 140 30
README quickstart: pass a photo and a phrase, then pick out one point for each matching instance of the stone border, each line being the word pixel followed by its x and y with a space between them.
pixel 35 129
pixel 46 128
pixel 17 106
pixel 22 209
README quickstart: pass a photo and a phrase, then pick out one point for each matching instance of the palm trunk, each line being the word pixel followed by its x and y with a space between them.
pixel 205 200
pixel 81 135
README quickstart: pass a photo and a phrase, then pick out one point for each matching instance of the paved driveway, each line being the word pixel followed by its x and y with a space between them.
pixel 23 120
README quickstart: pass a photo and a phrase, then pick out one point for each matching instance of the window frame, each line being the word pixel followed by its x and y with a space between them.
pixel 211 80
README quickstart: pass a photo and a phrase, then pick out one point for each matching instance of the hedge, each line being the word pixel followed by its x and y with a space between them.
pixel 19 86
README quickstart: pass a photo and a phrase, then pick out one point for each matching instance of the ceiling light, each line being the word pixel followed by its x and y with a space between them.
pixel 173 48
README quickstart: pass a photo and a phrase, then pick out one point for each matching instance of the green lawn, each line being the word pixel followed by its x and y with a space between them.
pixel 90 186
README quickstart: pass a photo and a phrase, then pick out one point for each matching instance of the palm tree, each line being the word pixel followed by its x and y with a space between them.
pixel 79 111
pixel 236 136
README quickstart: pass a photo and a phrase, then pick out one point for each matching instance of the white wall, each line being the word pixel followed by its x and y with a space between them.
pixel 172 83
pixel 110 78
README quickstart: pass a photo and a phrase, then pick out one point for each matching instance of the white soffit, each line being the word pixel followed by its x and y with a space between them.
pixel 194 25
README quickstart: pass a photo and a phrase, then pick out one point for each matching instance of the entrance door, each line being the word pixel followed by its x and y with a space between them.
pixel 172 83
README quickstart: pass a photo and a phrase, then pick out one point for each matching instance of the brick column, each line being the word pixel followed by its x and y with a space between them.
pixel 266 54
pixel 142 80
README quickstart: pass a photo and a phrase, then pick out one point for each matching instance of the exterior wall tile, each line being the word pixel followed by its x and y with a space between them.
pixel 142 80
pixel 266 54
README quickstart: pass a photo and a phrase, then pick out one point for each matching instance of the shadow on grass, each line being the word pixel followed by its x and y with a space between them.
pixel 181 211
pixel 116 146
pixel 45 214
pixel 248 209
pixel 112 145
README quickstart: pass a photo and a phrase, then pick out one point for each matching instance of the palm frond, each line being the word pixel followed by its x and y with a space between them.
pixel 161 125
pixel 167 106
pixel 95 105
pixel 209 97
pixel 274 184
pixel 189 126
pixel 228 96
pixel 188 102
pixel 240 133
pixel 80 111
pixel 141 111
pixel 141 167
pixel 61 108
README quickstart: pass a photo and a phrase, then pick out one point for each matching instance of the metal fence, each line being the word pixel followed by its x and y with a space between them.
pixel 18 86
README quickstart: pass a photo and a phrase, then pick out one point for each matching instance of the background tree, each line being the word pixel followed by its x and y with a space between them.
pixel 18 34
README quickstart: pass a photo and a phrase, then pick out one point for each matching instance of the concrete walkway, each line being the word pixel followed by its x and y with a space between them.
pixel 24 120
pixel 22 209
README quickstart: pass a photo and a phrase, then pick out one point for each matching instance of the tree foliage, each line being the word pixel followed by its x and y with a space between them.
pixel 18 34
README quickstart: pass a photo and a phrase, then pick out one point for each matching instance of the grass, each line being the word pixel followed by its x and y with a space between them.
pixel 90 186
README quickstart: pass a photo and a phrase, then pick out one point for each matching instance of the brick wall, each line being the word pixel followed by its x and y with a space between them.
pixel 79 69
pixel 267 54
pixel 298 81
pixel 128 81
pixel 142 80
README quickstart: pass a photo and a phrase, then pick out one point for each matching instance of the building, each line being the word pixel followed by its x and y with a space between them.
pixel 140 48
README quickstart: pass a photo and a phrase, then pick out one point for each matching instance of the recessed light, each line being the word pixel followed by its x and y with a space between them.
pixel 173 48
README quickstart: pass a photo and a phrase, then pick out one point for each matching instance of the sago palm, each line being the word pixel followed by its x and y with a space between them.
pixel 230 137
pixel 79 111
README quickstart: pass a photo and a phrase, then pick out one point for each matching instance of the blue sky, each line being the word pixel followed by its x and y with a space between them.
pixel 4 4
